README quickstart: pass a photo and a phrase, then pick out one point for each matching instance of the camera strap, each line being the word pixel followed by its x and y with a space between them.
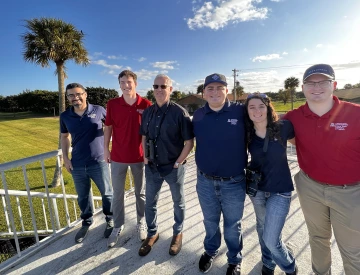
pixel 265 147
pixel 157 133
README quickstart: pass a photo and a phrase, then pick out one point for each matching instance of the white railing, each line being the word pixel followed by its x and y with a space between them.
pixel 49 205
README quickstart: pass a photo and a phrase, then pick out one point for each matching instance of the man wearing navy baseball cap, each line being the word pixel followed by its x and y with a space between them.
pixel 221 159
pixel 327 136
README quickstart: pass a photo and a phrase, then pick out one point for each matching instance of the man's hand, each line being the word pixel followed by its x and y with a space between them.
pixel 146 161
pixel 68 165
pixel 107 155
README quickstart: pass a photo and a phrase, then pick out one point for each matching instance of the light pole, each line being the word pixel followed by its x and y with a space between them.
pixel 235 75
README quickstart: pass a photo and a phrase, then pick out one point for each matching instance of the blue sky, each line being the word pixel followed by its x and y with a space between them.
pixel 267 41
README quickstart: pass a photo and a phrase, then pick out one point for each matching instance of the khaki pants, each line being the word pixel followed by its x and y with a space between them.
pixel 325 206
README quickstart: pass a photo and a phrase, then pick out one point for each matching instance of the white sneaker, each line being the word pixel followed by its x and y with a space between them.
pixel 113 238
pixel 142 231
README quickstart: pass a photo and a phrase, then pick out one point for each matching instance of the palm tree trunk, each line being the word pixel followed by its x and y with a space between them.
pixel 61 76
pixel 292 99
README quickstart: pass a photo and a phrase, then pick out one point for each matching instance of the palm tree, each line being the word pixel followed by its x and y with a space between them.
pixel 53 40
pixel 239 91
pixel 291 83
pixel 200 90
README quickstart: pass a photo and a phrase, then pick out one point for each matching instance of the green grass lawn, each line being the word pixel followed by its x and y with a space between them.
pixel 24 135
pixel 283 108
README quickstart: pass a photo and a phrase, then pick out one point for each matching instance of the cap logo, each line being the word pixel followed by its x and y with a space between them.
pixel 215 77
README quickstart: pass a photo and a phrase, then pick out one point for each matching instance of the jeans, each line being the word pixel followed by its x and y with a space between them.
pixel 271 210
pixel 100 174
pixel 226 197
pixel 118 176
pixel 153 185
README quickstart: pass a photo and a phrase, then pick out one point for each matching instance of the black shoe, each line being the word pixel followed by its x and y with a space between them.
pixel 81 234
pixel 266 271
pixel 293 273
pixel 233 269
pixel 205 262
pixel 109 228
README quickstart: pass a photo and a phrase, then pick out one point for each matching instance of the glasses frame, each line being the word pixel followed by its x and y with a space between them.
pixel 71 96
pixel 321 84
pixel 163 87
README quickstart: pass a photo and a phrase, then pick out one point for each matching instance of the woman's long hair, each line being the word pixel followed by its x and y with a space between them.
pixel 273 123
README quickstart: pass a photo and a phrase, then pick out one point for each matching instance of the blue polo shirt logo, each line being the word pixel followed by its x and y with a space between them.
pixel 233 121
pixel 92 116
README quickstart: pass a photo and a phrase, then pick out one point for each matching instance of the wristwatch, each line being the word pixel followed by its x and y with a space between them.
pixel 177 164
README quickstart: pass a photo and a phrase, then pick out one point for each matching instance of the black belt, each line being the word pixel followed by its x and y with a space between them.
pixel 214 177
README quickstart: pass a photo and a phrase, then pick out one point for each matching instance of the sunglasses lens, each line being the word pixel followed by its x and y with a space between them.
pixel 163 86
pixel 155 86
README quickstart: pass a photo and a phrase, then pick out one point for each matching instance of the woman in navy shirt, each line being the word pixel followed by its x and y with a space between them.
pixel 273 198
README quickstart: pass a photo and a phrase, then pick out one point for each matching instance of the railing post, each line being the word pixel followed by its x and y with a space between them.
pixel 7 197
pixel 6 214
pixel 20 214
pixel 31 205
pixel 64 193
pixel 56 213
pixel 48 196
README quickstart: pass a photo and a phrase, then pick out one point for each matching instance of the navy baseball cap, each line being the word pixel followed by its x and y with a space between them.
pixel 323 69
pixel 215 78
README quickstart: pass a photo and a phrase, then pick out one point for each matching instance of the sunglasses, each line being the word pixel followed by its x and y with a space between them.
pixel 256 95
pixel 161 86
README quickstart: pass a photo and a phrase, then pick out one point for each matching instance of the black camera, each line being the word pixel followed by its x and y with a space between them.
pixel 150 150
pixel 253 179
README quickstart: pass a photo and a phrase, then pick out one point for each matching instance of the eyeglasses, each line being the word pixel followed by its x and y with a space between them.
pixel 161 86
pixel 256 95
pixel 75 95
pixel 321 84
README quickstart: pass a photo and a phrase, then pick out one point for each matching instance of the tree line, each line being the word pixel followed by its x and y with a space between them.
pixel 42 101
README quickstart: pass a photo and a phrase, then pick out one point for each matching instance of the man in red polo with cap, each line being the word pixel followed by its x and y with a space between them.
pixel 327 135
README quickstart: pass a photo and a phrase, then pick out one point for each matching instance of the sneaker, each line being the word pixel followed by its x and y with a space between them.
pixel 109 228
pixel 266 271
pixel 206 262
pixel 233 269
pixel 142 231
pixel 81 234
pixel 113 238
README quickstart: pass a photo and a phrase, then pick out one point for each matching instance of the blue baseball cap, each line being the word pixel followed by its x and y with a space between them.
pixel 323 69
pixel 219 78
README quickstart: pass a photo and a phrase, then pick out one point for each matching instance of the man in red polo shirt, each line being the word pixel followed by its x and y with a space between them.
pixel 123 119
pixel 327 136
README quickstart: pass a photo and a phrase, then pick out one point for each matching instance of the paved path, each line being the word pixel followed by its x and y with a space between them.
pixel 93 257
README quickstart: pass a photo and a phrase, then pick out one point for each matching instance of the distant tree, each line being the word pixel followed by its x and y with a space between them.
pixel 150 96
pixel 291 84
pixel 53 40
pixel 200 90
pixel 273 96
pixel 299 95
pixel 348 86
pixel 100 96
pixel 175 96
pixel 239 91
pixel 356 85
pixel 284 95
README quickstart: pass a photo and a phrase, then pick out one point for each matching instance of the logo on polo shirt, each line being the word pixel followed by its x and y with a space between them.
pixel 140 111
pixel 92 116
pixel 340 126
pixel 233 121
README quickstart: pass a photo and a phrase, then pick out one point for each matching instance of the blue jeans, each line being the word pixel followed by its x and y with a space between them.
pixel 100 174
pixel 271 210
pixel 153 185
pixel 226 197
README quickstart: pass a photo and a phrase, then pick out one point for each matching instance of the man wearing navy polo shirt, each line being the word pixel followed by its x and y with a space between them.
pixel 327 136
pixel 84 122
pixel 221 159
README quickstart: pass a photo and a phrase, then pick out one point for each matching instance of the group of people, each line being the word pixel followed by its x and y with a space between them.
pixel 158 138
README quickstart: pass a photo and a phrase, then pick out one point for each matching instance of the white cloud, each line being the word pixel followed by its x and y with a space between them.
pixel 285 53
pixel 266 57
pixel 164 65
pixel 275 0
pixel 141 59
pixel 305 50
pixel 117 57
pixel 319 45
pixel 98 54
pixel 103 63
pixel 146 74
pixel 221 13
pixel 262 81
